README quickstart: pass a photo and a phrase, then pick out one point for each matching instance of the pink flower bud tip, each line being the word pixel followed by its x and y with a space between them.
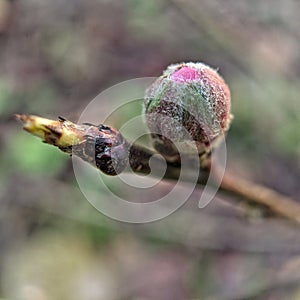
pixel 194 95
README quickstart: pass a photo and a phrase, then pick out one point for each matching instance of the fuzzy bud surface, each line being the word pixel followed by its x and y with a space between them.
pixel 188 98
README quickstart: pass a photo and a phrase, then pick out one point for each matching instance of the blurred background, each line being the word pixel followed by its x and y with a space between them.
pixel 55 57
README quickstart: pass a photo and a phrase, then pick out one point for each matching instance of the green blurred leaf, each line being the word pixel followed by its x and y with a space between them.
pixel 28 154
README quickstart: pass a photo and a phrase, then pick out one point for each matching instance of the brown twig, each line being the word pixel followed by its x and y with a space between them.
pixel 106 149
pixel 274 201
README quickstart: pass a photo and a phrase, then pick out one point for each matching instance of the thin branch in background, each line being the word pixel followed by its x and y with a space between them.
pixel 279 204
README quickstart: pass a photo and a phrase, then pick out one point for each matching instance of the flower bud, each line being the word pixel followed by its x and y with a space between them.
pixel 189 102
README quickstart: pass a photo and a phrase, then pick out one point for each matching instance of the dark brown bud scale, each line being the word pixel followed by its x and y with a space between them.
pixel 105 147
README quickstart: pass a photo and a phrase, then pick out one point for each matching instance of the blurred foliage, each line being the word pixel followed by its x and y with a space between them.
pixel 278 119
pixel 7 103
pixel 145 19
pixel 39 159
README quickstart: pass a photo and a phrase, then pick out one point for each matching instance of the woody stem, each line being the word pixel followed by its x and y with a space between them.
pixel 106 149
